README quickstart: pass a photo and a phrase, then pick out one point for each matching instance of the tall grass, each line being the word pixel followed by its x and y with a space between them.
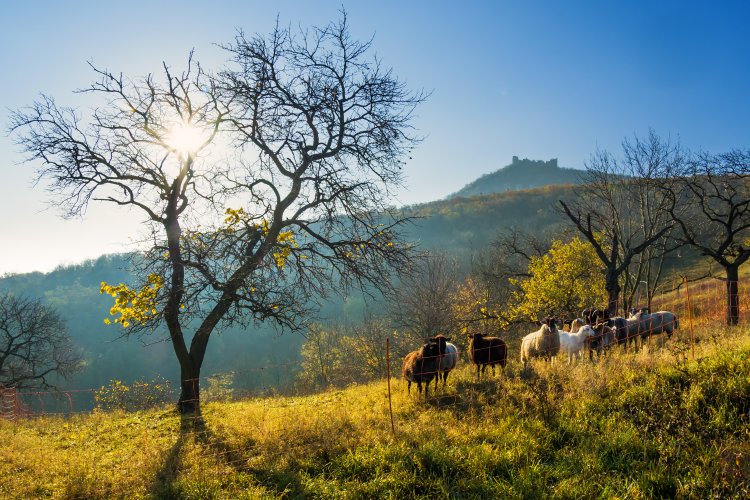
pixel 638 425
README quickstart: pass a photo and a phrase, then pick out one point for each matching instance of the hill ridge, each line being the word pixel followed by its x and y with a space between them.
pixel 521 174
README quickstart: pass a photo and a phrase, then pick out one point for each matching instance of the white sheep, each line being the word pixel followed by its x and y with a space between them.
pixel 573 343
pixel 544 342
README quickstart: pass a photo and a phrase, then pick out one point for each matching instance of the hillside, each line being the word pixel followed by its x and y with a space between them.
pixel 519 175
pixel 645 425
pixel 461 226
pixel 74 292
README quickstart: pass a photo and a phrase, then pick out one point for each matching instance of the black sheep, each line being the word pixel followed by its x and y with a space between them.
pixel 487 351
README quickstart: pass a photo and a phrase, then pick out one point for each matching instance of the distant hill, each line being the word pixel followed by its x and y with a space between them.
pixel 463 225
pixel 521 174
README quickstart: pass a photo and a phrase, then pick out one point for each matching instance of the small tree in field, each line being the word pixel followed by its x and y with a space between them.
pixel 710 202
pixel 563 281
pixel 34 344
pixel 422 305
pixel 265 186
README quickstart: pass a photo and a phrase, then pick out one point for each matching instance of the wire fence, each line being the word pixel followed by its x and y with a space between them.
pixel 690 309
pixel 274 422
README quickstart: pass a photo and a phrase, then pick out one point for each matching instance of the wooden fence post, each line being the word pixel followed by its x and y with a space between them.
pixel 388 366
pixel 690 317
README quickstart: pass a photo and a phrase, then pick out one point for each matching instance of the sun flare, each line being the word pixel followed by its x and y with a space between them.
pixel 185 138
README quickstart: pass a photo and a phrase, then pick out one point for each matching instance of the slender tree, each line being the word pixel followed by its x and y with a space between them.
pixel 423 303
pixel 265 186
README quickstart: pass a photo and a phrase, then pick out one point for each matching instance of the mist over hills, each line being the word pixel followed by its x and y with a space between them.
pixel 521 174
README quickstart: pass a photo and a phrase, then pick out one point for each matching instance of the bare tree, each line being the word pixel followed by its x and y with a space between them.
pixel 423 304
pixel 34 344
pixel 621 211
pixel 313 131
pixel 339 354
pixel 512 251
pixel 710 202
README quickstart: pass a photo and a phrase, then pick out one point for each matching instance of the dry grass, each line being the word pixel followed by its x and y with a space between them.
pixel 639 425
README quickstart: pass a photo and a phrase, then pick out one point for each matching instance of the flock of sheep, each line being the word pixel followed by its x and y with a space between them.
pixel 595 329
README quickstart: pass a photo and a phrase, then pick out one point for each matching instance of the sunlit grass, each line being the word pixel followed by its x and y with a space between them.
pixel 638 425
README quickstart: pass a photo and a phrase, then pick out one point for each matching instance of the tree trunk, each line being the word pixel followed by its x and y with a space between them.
pixel 189 401
pixel 733 296
pixel 612 286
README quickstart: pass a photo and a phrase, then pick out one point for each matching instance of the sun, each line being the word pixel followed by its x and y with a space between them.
pixel 185 138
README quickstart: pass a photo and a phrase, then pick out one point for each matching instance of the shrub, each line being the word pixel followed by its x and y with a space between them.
pixel 140 395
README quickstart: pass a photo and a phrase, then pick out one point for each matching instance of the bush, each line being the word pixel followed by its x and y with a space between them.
pixel 140 395
pixel 219 388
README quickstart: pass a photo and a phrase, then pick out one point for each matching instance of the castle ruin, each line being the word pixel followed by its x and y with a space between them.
pixel 536 163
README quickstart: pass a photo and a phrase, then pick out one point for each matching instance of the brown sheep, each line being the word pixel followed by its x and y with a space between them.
pixel 421 366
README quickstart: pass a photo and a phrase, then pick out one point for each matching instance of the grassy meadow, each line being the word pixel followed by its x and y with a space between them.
pixel 632 425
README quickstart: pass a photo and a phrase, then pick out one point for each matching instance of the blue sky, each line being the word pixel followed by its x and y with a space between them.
pixel 537 79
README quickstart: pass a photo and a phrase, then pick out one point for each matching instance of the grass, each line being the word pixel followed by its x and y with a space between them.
pixel 636 425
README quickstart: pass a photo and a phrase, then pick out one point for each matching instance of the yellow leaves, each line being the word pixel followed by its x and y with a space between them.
pixel 235 216
pixel 280 256
pixel 564 280
pixel 285 238
pixel 133 306
pixel 472 308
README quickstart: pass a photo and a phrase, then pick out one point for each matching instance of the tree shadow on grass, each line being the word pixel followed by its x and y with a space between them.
pixel 282 481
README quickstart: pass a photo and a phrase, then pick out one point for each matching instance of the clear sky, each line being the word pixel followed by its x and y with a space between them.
pixel 537 79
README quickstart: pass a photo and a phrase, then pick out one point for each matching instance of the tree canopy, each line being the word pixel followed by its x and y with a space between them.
pixel 563 281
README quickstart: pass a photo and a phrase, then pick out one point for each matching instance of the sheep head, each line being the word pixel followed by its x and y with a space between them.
pixel 550 322
pixel 441 342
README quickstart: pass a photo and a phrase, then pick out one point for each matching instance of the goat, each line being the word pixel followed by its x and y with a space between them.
pixel 621 328
pixel 572 343
pixel 485 351
pixel 421 366
pixel 448 357
pixel 544 342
